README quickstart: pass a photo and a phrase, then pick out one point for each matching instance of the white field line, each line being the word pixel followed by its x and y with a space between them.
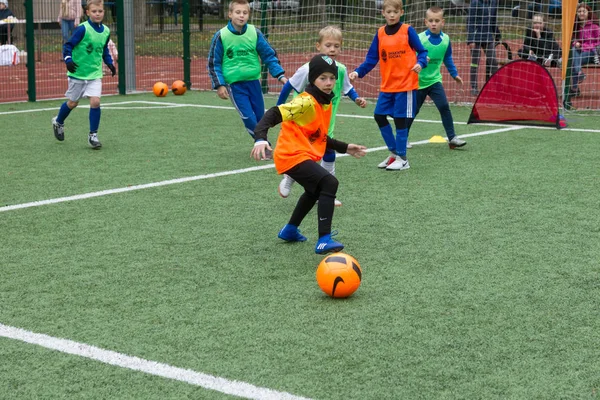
pixel 235 388
pixel 132 188
pixel 502 128
pixel 114 106
pixel 199 177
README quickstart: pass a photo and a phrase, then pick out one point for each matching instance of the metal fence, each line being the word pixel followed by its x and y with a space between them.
pixel 152 39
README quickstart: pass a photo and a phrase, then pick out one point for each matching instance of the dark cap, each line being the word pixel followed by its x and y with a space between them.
pixel 320 64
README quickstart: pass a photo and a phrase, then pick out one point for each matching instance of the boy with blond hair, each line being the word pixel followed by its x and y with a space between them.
pixel 330 44
pixel 401 56
pixel 234 64
pixel 439 50
pixel 84 53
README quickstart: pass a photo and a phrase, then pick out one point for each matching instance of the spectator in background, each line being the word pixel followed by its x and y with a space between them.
pixel 539 44
pixel 69 17
pixel 5 13
pixel 586 43
pixel 482 33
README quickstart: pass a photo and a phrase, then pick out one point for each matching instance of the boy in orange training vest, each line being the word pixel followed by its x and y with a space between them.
pixel 301 144
pixel 401 56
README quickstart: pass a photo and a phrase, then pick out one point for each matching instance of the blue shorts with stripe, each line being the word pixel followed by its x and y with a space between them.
pixel 397 104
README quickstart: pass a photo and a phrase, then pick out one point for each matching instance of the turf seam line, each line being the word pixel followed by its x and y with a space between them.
pixel 232 387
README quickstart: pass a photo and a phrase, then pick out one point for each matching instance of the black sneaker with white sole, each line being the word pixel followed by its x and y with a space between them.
pixel 93 140
pixel 59 130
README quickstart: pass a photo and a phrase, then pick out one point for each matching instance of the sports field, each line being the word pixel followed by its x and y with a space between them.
pixel 151 269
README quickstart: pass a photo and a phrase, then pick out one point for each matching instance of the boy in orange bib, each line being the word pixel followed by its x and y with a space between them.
pixel 401 56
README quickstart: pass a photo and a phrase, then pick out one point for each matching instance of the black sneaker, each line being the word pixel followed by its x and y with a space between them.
pixel 59 130
pixel 93 140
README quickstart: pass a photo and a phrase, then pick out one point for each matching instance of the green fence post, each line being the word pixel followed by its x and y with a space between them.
pixel 29 31
pixel 187 59
pixel 121 45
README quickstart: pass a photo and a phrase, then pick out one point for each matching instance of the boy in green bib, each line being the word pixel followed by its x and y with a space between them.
pixel 234 64
pixel 439 50
pixel 83 55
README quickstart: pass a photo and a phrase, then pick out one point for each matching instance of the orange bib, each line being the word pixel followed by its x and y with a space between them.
pixel 303 134
pixel 396 59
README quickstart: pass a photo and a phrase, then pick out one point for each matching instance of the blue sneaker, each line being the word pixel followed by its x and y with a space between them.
pixel 291 233
pixel 326 244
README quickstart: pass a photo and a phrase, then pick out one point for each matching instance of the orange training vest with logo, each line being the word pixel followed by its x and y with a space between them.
pixel 396 59
pixel 303 134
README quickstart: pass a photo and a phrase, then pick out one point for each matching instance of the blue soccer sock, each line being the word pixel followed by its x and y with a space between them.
pixel 388 137
pixel 63 113
pixel 401 140
pixel 94 119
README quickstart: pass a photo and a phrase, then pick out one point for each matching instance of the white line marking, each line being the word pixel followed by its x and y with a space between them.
pixel 112 106
pixel 132 188
pixel 503 128
pixel 235 388
pixel 200 177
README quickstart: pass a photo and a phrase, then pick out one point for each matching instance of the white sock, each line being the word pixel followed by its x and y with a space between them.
pixel 329 166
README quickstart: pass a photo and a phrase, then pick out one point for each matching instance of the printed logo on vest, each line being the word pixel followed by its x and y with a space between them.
pixel 396 54
pixel 313 137
pixel 229 53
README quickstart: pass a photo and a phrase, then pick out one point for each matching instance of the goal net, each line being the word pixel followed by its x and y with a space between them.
pixel 292 27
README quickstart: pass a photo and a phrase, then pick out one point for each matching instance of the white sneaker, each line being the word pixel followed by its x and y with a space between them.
pixel 59 130
pixel 93 140
pixel 456 142
pixel 390 159
pixel 285 186
pixel 337 203
pixel 408 145
pixel 398 164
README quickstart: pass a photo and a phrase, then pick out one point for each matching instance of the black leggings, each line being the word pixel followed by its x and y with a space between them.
pixel 319 185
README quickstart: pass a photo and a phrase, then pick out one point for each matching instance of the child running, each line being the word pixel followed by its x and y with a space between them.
pixel 83 55
pixel 402 56
pixel 234 64
pixel 302 142
pixel 439 50
pixel 330 44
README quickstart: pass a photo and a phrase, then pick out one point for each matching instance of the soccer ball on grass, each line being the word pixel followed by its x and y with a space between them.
pixel 178 88
pixel 339 275
pixel 160 89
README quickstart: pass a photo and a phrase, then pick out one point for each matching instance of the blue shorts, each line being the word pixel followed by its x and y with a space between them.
pixel 397 104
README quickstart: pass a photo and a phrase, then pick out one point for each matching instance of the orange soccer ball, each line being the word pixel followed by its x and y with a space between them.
pixel 160 89
pixel 178 88
pixel 339 275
